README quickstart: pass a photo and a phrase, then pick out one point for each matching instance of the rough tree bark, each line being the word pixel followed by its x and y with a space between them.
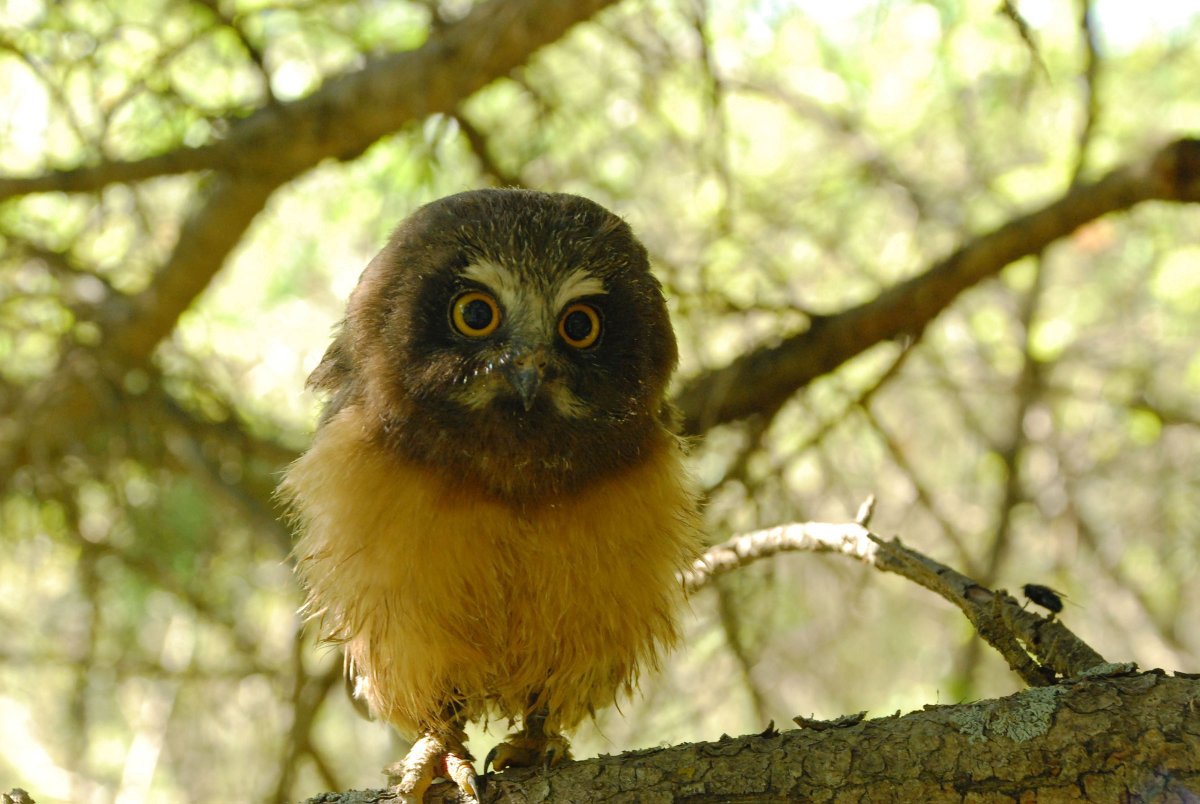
pixel 1128 737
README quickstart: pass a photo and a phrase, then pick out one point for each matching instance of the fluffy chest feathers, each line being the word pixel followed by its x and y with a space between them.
pixel 445 595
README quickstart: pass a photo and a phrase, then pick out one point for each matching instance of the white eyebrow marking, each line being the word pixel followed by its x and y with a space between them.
pixel 506 286
pixel 501 281
pixel 525 307
pixel 579 282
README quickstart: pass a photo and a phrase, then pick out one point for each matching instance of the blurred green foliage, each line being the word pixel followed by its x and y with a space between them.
pixel 780 160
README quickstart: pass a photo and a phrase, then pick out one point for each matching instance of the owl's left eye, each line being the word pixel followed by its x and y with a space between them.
pixel 475 314
pixel 579 325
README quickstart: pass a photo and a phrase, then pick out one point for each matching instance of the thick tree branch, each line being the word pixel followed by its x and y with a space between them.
pixel 352 111
pixel 136 325
pixel 765 378
pixel 1105 738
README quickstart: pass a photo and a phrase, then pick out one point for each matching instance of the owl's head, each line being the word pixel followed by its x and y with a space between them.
pixel 512 338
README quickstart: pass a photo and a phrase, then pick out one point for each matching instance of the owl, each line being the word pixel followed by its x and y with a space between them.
pixel 494 507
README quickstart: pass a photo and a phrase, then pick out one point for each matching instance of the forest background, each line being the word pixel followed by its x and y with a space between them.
pixel 191 187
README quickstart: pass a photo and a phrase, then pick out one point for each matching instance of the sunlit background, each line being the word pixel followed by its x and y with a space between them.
pixel 779 160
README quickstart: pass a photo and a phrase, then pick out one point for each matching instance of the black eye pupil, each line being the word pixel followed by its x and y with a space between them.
pixel 577 325
pixel 477 314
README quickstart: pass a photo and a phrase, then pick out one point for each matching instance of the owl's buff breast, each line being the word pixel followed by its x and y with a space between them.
pixel 441 593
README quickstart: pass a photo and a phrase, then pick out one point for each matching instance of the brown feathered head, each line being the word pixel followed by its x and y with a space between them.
pixel 511 339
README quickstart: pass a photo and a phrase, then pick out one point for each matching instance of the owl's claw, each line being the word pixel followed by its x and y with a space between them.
pixel 460 771
pixel 524 751
pixel 433 756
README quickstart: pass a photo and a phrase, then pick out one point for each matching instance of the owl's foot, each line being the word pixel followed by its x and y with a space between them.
pixel 523 750
pixel 432 756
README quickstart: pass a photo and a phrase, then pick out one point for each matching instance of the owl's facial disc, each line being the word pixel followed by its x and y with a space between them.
pixel 524 326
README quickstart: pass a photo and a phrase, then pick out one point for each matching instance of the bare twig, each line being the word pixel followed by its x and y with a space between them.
pixel 1009 10
pixel 350 112
pixel 862 400
pixel 819 537
pixel 1036 648
pixel 865 512
pixel 925 492
pixel 730 617
pixel 309 693
pixel 1091 91
pixel 478 142
pixel 1028 393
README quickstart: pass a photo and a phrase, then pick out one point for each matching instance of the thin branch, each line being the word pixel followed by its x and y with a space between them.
pixel 478 142
pixel 1036 648
pixel 714 150
pixel 254 52
pixel 95 177
pixel 819 537
pixel 851 134
pixel 925 494
pixel 244 643
pixel 861 401
pixel 1008 9
pixel 54 87
pixel 309 693
pixel 1088 530
pixel 730 617
pixel 1091 91
pixel 1028 393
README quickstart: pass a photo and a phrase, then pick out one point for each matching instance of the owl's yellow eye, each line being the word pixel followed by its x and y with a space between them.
pixel 579 325
pixel 475 314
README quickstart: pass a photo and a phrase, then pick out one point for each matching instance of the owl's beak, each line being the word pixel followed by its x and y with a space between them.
pixel 524 371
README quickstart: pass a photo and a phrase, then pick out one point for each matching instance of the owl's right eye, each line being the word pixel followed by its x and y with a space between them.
pixel 475 314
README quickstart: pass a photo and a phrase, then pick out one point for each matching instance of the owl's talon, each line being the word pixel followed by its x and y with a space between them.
pixel 429 757
pixel 458 770
pixel 523 751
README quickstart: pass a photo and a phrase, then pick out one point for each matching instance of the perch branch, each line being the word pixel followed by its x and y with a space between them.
pixel 1109 737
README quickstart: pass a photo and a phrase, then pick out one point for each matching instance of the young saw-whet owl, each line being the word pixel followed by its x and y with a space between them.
pixel 494 507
